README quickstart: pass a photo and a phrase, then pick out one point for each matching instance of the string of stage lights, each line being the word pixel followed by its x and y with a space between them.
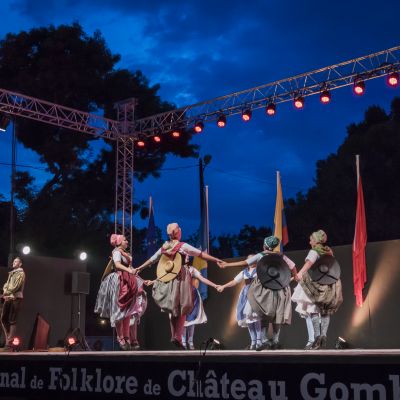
pixel 295 89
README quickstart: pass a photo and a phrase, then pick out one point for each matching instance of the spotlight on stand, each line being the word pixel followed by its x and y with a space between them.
pixel 16 343
pixel 393 79
pixel 198 127
pixel 213 344
pixel 4 122
pixel 70 342
pixel 358 86
pixel 246 115
pixel 83 255
pixel 341 344
pixel 221 121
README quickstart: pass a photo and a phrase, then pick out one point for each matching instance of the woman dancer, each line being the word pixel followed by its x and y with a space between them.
pixel 121 297
pixel 316 302
pixel 197 316
pixel 270 305
pixel 245 316
pixel 175 281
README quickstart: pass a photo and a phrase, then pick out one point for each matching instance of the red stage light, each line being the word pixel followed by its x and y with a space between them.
pixel 246 115
pixel 198 127
pixel 299 102
pixel 71 341
pixel 325 97
pixel 393 79
pixel 157 139
pixel 221 121
pixel 16 343
pixel 176 133
pixel 359 87
pixel 140 143
pixel 271 109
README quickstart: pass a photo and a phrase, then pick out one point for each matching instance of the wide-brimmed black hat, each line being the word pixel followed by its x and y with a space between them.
pixel 273 272
pixel 325 270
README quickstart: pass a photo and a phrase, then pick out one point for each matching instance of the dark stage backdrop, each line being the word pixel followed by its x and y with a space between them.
pixel 375 325
pixel 48 292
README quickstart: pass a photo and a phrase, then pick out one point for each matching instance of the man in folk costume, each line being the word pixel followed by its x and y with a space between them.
pixel 12 296
pixel 172 291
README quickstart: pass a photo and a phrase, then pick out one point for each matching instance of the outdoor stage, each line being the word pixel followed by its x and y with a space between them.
pixel 280 374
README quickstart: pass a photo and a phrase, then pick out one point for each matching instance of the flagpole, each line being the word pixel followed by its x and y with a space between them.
pixel 358 167
pixel 207 221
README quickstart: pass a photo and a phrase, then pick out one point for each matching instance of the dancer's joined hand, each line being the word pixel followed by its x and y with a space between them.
pixel 222 264
pixel 220 288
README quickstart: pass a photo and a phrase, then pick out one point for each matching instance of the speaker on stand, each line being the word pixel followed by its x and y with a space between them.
pixel 80 285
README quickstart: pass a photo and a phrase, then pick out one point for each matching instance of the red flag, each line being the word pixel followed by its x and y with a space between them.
pixel 359 243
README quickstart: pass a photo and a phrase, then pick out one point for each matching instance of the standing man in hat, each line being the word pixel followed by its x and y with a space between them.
pixel 172 291
pixel 12 296
pixel 273 305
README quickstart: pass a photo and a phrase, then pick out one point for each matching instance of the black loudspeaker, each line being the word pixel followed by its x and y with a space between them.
pixel 80 282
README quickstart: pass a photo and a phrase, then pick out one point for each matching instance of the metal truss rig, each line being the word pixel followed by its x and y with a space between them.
pixel 43 111
pixel 330 78
pixel 17 104
pixel 125 130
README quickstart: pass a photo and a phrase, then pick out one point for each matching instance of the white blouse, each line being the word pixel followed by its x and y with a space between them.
pixel 259 256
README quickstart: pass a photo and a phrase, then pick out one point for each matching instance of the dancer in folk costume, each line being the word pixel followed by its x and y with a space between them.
pixel 245 315
pixel 121 297
pixel 197 316
pixel 316 302
pixel 270 305
pixel 172 291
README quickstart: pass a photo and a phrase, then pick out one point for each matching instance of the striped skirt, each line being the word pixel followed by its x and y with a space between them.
pixel 107 301
pixel 197 315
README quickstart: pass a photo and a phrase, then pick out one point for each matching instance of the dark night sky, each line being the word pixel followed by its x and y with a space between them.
pixel 198 50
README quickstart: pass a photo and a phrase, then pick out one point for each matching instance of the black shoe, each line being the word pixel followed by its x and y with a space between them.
pixel 322 342
pixel 317 343
pixel 308 346
pixel 264 346
pixel 276 346
pixel 124 346
pixel 178 345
